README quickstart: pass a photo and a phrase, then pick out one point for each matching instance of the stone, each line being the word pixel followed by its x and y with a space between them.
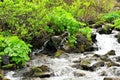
pixel 105 29
pixel 82 44
pixel 103 73
pixel 78 74
pixel 93 37
pixel 107 78
pixel 118 37
pixel 98 64
pixel 59 53
pixel 39 71
pixel 5 59
pixel 8 66
pixel 111 63
pixel 111 52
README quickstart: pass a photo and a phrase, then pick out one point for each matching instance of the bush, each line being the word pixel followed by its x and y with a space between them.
pixel 86 10
pixel 24 18
pixel 117 24
pixel 15 48
pixel 111 16
pixel 61 21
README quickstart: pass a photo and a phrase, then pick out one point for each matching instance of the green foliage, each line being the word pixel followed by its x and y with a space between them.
pixel 117 24
pixel 109 17
pixel 86 10
pixel 86 31
pixel 15 48
pixel 26 19
pixel 64 21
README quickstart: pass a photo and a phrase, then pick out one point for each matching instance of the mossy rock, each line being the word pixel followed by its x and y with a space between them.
pixel 8 66
pixel 59 53
pixel 39 71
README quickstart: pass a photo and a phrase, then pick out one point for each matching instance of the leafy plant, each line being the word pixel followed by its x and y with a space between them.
pixel 86 31
pixel 86 10
pixel 15 48
pixel 117 24
pixel 24 18
pixel 64 21
pixel 111 16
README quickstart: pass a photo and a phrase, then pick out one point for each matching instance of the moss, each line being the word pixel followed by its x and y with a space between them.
pixel 8 66
pixel 58 53
pixel 85 62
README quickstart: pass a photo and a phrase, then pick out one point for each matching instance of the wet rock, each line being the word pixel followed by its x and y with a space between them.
pixel 86 67
pixel 59 53
pixel 105 58
pixel 105 29
pixel 107 78
pixel 78 74
pixel 38 42
pixel 118 37
pixel 90 63
pixel 55 42
pixel 93 37
pixel 111 63
pixel 67 48
pixel 45 68
pixel 117 59
pixel 111 52
pixel 82 44
pixel 98 64
pixel 50 48
pixel 8 66
pixel 103 73
pixel 39 71
pixel 5 59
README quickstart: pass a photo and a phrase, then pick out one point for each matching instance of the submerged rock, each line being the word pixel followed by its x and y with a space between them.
pixel 39 71
pixel 90 63
pixel 107 78
pixel 78 74
pixel 111 52
pixel 103 73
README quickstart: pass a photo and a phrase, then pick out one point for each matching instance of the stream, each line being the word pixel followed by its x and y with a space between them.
pixel 62 67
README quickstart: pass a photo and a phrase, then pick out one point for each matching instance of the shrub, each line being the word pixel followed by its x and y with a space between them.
pixel 117 24
pixel 61 20
pixel 111 16
pixel 86 10
pixel 86 31
pixel 26 19
pixel 15 48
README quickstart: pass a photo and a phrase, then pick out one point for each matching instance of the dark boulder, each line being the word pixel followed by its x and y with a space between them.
pixel 118 37
pixel 105 29
pixel 93 37
pixel 111 52
pixel 5 59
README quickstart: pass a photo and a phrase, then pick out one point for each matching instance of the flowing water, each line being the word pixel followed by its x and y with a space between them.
pixel 62 67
